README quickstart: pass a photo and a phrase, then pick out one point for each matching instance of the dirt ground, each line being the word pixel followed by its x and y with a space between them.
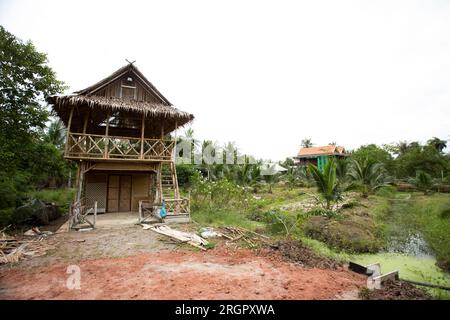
pixel 132 263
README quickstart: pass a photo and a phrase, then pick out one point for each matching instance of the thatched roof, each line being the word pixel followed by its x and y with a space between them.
pixel 87 98
pixel 119 73
pixel 96 102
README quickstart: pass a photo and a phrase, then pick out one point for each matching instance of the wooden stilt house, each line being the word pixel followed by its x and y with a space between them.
pixel 119 134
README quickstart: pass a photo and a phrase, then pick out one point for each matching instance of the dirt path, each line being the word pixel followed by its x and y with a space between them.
pixel 181 274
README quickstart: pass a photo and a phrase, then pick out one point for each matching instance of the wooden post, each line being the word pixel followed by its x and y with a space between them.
pixel 86 141
pixel 142 136
pixel 174 150
pixel 77 181
pixel 173 168
pixel 81 181
pixel 106 155
pixel 159 183
pixel 68 131
pixel 86 117
pixel 189 206
pixel 69 222
pixel 140 211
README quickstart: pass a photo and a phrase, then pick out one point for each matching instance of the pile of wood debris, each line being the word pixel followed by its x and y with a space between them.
pixel 186 237
pixel 234 234
pixel 13 249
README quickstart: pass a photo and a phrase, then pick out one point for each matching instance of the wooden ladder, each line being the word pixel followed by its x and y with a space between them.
pixel 169 181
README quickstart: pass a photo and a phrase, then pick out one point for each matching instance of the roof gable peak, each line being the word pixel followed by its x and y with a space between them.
pixel 129 68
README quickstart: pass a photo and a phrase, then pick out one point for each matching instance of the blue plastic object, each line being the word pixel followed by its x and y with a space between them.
pixel 163 212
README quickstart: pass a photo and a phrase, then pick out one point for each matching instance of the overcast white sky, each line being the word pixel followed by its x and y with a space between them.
pixel 265 74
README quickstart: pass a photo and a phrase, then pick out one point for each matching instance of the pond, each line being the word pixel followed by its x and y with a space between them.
pixel 414 261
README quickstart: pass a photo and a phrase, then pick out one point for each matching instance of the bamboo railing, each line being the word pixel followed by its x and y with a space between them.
pixel 91 146
pixel 174 207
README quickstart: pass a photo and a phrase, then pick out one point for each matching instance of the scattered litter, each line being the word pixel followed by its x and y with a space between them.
pixel 36 232
pixel 187 237
pixel 209 233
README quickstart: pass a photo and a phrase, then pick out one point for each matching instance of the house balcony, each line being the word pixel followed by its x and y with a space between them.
pixel 102 147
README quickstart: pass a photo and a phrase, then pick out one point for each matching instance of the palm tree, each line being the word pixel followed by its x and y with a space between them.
pixel 306 143
pixel 208 144
pixel 341 169
pixel 367 176
pixel 437 143
pixel 56 134
pixel 402 147
pixel 190 138
pixel 326 182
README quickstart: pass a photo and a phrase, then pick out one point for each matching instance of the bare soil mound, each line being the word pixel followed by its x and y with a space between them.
pixel 297 252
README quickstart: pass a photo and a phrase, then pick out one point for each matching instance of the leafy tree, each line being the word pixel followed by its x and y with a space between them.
pixel 427 159
pixel 25 81
pixel 327 182
pixel 367 175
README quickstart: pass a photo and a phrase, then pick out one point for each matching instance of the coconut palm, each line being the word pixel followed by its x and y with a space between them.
pixel 56 133
pixel 327 182
pixel 437 143
pixel 306 143
pixel 190 139
pixel 342 169
pixel 366 175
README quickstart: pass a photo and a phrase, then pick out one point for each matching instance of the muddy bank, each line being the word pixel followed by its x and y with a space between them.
pixel 297 252
pixel 395 290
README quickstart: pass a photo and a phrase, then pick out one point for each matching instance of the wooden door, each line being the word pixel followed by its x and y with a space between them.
pixel 113 193
pixel 119 193
pixel 125 194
